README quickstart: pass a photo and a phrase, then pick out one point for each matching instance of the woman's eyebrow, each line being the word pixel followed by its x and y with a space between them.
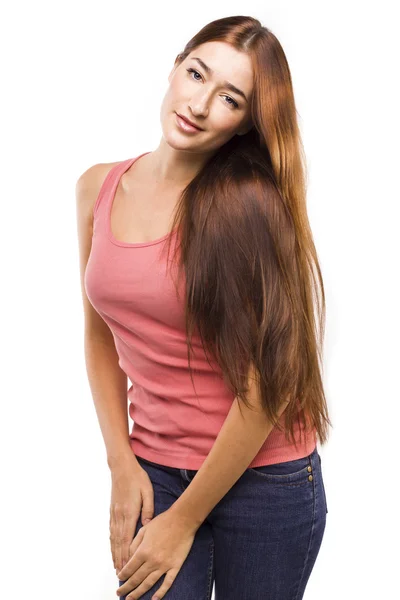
pixel 227 84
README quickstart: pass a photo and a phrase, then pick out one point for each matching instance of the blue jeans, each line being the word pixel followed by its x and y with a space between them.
pixel 261 539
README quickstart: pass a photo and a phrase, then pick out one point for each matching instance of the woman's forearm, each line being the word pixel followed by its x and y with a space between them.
pixel 237 443
pixel 108 384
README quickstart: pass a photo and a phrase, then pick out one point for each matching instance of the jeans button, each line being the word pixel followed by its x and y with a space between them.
pixel 310 478
pixel 309 469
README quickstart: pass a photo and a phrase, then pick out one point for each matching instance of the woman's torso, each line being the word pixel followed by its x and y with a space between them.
pixel 175 419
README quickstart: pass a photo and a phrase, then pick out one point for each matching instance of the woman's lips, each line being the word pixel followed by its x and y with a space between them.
pixel 184 125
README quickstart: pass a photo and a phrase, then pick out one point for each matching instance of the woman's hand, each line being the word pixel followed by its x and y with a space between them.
pixel 160 547
pixel 131 494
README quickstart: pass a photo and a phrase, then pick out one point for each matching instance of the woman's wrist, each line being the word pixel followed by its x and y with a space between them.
pixel 123 461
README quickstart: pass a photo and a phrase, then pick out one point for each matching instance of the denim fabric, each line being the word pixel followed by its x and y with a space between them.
pixel 259 542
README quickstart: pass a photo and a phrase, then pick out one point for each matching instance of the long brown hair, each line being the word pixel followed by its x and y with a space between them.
pixel 252 277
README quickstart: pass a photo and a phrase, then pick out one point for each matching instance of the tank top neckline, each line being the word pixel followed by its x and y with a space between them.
pixel 119 172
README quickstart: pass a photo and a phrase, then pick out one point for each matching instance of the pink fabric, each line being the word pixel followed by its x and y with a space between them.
pixel 127 285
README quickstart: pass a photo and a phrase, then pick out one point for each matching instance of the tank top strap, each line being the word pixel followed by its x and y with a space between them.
pixel 108 189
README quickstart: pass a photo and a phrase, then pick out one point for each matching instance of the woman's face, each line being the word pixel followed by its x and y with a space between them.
pixel 204 96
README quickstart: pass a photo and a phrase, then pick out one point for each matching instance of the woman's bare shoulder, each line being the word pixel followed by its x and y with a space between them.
pixel 88 185
pixel 94 176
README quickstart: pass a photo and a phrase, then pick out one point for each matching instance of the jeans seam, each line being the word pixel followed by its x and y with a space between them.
pixel 311 538
pixel 210 572
pixel 323 486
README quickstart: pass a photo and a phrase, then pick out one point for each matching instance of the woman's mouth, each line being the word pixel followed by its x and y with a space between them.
pixel 185 126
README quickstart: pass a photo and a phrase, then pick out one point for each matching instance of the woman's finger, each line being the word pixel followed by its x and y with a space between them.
pixel 167 583
pixel 129 528
pixel 124 531
pixel 144 586
pixel 118 529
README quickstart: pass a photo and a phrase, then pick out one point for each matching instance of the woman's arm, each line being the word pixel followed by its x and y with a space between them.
pixel 237 443
pixel 108 383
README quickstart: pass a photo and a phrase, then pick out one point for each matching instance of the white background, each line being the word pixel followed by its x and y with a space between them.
pixel 83 83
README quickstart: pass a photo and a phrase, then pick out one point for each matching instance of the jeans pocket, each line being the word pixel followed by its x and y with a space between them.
pixel 289 472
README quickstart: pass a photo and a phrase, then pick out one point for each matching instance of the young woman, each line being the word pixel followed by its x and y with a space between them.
pixel 220 479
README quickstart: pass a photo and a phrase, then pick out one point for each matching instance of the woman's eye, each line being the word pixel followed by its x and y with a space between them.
pixel 193 71
pixel 232 103
pixel 235 104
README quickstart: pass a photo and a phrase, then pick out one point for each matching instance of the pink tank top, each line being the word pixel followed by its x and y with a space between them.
pixel 127 285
